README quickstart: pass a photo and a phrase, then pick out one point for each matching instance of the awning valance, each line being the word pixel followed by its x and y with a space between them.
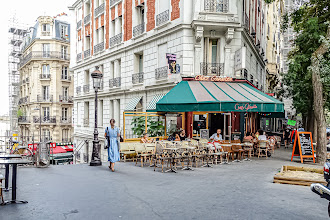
pixel 217 96
pixel 133 103
pixel 154 100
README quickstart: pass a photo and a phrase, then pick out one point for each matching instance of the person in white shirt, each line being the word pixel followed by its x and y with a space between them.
pixel 262 137
pixel 217 136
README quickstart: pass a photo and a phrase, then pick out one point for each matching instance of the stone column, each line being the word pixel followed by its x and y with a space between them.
pixel 227 70
pixel 198 49
pixel 116 113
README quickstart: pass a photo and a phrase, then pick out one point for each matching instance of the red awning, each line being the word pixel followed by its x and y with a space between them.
pixel 56 150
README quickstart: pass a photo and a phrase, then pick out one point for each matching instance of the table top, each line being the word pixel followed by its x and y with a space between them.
pixel 226 145
pixel 14 161
pixel 171 148
pixel 248 144
pixel 187 147
pixel 8 156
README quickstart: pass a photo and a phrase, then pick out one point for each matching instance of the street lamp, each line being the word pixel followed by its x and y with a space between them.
pixel 97 76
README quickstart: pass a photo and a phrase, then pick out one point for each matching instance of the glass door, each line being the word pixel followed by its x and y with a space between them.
pixel 227 126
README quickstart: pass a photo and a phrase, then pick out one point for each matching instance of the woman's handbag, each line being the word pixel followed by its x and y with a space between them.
pixel 106 141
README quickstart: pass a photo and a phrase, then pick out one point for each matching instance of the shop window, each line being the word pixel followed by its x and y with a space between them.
pixel 200 122
pixel 251 79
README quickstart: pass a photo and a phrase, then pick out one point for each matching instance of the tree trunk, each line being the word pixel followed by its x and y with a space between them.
pixel 321 150
pixel 315 128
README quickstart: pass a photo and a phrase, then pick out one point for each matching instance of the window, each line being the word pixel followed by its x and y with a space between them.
pixel 65 92
pixel 100 113
pixel 86 77
pixel 64 114
pixel 64 50
pixel 245 74
pixel 64 72
pixel 45 27
pixel 46 134
pixel 46 50
pixel 45 111
pixel 257 84
pixel 64 32
pixel 65 135
pixel 251 79
pixel 45 92
pixel 214 47
pixel 138 67
pixel 162 50
pixel 45 70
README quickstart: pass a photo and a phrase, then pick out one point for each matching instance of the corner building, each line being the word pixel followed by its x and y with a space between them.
pixel 130 39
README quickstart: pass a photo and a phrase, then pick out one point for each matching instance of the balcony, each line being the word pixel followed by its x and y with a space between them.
pixel 213 69
pixel 67 140
pixel 87 53
pixel 86 88
pixel 115 82
pixel 65 120
pixel 99 10
pixel 216 5
pixel 41 55
pixel 113 2
pixel 79 57
pixel 161 73
pixel 45 33
pixel 78 89
pixel 87 19
pixel 66 78
pixel 44 76
pixel 138 30
pixel 86 122
pixel 23 120
pixel 117 39
pixel 44 119
pixel 41 98
pixel 66 99
pixel 162 18
pixel 23 100
pixel 78 25
pixel 99 47
pixel 137 78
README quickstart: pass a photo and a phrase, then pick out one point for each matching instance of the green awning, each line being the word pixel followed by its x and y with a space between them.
pixel 133 103
pixel 190 96
pixel 154 100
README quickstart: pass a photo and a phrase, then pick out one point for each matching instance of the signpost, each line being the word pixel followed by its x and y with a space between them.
pixel 292 122
pixel 303 146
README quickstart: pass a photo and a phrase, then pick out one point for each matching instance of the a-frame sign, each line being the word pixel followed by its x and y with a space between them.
pixel 303 146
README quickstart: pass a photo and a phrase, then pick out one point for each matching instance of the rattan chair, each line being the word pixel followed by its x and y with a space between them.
pixel 1 192
pixel 262 148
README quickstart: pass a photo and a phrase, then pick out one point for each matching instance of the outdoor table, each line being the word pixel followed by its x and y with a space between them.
pixel 6 157
pixel 14 163
pixel 172 149
pixel 207 155
pixel 188 148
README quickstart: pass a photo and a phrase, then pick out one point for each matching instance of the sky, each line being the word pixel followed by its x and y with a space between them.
pixel 25 12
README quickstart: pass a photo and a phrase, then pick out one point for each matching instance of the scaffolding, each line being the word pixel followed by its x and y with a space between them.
pixel 15 40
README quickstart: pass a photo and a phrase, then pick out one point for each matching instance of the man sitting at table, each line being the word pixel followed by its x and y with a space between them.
pixel 217 136
pixel 262 136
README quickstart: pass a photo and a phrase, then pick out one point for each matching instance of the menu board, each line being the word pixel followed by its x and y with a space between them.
pixel 303 146
pixel 204 133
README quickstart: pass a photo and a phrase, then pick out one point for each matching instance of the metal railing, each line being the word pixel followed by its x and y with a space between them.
pixel 162 17
pixel 216 5
pixel 115 82
pixel 23 119
pixel 65 120
pixel 45 119
pixel 212 69
pixel 161 73
pixel 44 76
pixel 117 39
pixel 99 10
pixel 137 78
pixel 66 140
pixel 99 47
pixel 87 53
pixel 45 33
pixel 43 55
pixel 138 30
pixel 79 57
pixel 86 122
pixel 41 98
pixel 86 88
pixel 66 78
pixel 67 99
pixel 87 19
pixel 23 100
pixel 112 2
pixel 78 89
pixel 79 25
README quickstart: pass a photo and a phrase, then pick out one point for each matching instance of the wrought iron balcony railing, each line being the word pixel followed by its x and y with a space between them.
pixel 45 33
pixel 87 53
pixel 66 99
pixel 162 17
pixel 86 122
pixel 23 119
pixel 99 10
pixel 79 25
pixel 216 5
pixel 216 69
pixel 137 78
pixel 44 76
pixel 45 119
pixel 41 98
pixel 86 88
pixel 138 30
pixel 113 2
pixel 161 73
pixel 99 47
pixel 42 55
pixel 115 82
pixel 65 120
pixel 66 140
pixel 65 77
pixel 79 57
pixel 117 39
pixel 78 89
pixel 23 100
pixel 87 19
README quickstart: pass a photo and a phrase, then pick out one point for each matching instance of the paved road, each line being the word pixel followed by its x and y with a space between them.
pixel 236 191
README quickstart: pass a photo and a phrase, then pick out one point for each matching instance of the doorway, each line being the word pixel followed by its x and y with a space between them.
pixel 221 121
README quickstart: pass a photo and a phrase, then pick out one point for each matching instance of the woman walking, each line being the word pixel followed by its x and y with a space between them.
pixel 112 133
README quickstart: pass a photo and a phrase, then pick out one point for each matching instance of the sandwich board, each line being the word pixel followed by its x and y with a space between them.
pixel 303 146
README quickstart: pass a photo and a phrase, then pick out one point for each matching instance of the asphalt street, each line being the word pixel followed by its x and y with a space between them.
pixel 236 191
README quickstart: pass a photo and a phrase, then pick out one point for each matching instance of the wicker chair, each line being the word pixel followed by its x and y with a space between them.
pixel 262 148
pixel 1 194
pixel 159 157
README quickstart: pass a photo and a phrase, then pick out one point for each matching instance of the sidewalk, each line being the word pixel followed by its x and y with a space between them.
pixel 236 191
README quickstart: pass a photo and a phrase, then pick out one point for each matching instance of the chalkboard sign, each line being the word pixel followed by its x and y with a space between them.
pixel 204 133
pixel 236 135
pixel 303 146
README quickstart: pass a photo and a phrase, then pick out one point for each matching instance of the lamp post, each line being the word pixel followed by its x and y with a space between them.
pixel 97 76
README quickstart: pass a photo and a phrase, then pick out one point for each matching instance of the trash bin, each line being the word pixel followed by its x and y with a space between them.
pixel 43 154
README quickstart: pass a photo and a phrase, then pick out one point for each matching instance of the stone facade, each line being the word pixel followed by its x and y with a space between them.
pixel 203 34
pixel 46 83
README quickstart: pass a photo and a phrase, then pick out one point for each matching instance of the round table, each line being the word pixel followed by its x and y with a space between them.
pixel 188 148
pixel 172 149
pixel 7 157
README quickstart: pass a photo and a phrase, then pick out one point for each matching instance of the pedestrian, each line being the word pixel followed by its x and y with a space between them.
pixel 286 137
pixel 113 134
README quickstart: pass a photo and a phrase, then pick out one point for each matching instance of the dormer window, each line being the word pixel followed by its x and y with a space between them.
pixel 45 30
pixel 64 32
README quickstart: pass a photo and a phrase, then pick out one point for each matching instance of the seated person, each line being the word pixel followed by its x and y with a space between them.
pixel 262 136
pixel 248 137
pixel 217 136
pixel 183 135
pixel 177 137
pixel 145 138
